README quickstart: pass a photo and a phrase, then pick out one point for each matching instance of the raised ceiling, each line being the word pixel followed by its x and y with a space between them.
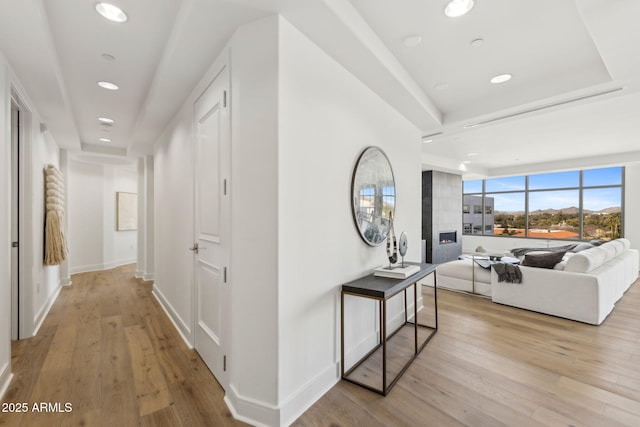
pixel 572 101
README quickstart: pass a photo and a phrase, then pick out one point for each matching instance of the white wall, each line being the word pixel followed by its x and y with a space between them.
pixel 39 284
pixel 94 242
pixel 254 213
pixel 327 118
pixel 632 205
pixel 173 227
pixel 145 251
pixel 298 128
pixel 5 227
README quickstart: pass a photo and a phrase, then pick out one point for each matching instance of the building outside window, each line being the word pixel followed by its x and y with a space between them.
pixel 573 205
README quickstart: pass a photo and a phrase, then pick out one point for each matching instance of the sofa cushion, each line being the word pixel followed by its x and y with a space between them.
pixel 626 243
pixel 561 264
pixel 464 269
pixel 609 251
pixel 617 246
pixel 543 260
pixel 585 261
pixel 582 246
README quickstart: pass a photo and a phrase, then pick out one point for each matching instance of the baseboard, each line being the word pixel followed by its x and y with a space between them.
pixel 87 268
pixel 358 351
pixel 251 411
pixel 258 413
pixel 138 274
pixel 101 267
pixel 172 314
pixel 5 379
pixel 42 314
pixel 114 264
pixel 147 277
pixel 66 282
pixel 303 398
pixel 398 319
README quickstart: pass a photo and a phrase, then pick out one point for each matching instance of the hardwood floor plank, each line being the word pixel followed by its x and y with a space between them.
pixel 107 348
pixel 491 364
pixel 151 387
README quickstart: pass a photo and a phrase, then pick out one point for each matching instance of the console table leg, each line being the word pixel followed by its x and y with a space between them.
pixel 383 337
pixel 341 334
pixel 415 318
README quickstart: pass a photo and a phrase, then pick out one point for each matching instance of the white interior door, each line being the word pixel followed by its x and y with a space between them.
pixel 15 216
pixel 212 224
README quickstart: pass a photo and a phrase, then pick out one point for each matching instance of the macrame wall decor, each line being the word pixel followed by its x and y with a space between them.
pixel 55 246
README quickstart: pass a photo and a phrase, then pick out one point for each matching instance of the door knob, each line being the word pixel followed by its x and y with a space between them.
pixel 194 248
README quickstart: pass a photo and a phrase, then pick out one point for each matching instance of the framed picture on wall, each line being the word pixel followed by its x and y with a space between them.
pixel 126 211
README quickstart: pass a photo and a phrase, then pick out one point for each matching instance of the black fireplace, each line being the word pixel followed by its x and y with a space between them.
pixel 448 237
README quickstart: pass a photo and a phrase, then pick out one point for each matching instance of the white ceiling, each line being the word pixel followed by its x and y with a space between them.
pixel 573 101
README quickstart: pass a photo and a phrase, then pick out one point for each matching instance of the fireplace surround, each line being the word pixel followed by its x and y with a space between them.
pixel 441 216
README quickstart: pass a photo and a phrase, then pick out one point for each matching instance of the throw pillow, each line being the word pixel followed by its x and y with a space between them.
pixel 582 247
pixel 546 260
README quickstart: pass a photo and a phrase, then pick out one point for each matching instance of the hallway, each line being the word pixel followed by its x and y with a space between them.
pixel 108 355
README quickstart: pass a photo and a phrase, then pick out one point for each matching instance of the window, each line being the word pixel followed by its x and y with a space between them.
pixel 470 187
pixel 570 205
pixel 466 209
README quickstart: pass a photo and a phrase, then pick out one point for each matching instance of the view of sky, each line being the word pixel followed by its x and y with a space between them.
pixel 594 199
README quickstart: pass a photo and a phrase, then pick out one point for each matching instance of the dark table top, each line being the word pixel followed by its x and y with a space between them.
pixel 385 287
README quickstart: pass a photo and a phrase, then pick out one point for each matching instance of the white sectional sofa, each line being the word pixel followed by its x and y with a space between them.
pixel 585 286
pixel 465 275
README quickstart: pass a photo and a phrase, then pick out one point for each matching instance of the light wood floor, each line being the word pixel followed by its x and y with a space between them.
pixel 493 365
pixel 107 348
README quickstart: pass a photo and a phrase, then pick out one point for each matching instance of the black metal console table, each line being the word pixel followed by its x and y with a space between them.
pixel 382 289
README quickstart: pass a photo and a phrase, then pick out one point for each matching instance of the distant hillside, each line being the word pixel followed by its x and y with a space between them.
pixel 572 210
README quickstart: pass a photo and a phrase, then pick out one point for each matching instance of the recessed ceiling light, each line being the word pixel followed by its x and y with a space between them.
pixel 501 78
pixel 108 85
pixel 457 8
pixel 108 57
pixel 442 86
pixel 412 40
pixel 111 12
pixel 466 162
pixel 472 154
pixel 105 120
pixel 104 140
pixel 427 141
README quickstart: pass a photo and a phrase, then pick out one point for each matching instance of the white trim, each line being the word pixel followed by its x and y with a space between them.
pixel 5 379
pixel 303 398
pixel 66 282
pixel 251 411
pixel 138 274
pixel 172 314
pixel 25 248
pixel 101 267
pixel 359 350
pixel 42 314
pixel 147 277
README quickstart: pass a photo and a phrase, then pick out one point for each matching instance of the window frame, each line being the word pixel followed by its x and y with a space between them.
pixel 581 188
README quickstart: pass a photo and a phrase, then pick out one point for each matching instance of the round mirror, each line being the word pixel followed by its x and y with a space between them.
pixel 373 195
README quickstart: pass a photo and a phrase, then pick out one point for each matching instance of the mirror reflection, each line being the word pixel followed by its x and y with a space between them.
pixel 373 194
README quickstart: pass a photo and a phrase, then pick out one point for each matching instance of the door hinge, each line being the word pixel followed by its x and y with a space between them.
pixel 14 244
pixel 224 363
pixel 224 274
pixel 224 100
pixel 224 183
